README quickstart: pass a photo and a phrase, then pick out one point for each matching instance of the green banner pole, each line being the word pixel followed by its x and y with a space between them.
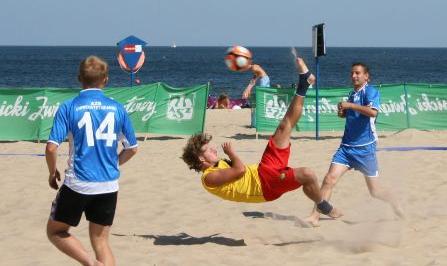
pixel 406 105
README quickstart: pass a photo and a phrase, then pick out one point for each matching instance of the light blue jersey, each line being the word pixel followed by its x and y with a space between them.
pixel 361 129
pixel 94 124
pixel 264 81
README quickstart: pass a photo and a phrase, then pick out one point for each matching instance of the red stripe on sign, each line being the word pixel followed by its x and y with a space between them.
pixel 129 48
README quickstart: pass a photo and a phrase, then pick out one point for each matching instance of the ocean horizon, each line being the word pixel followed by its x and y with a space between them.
pixel 185 66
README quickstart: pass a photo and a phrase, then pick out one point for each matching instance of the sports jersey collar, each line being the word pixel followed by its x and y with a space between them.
pixel 91 90
pixel 362 88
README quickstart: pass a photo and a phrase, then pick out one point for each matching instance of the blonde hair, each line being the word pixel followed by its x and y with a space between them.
pixel 93 72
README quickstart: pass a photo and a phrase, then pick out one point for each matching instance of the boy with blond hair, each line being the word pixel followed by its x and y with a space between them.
pixel 94 125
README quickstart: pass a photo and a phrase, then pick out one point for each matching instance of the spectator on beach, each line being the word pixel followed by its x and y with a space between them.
pixel 95 125
pixel 358 145
pixel 258 74
pixel 264 81
pixel 272 177
pixel 223 101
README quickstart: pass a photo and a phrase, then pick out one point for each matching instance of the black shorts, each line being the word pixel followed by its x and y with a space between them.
pixel 69 206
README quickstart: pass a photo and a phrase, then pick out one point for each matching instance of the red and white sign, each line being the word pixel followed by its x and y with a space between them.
pixel 131 48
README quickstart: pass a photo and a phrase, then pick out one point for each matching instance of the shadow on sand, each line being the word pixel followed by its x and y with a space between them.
pixel 183 239
pixel 297 221
pixel 158 138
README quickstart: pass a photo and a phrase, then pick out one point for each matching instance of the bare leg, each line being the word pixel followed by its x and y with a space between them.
pixel 308 179
pixel 99 237
pixel 281 137
pixel 379 192
pixel 331 178
pixel 58 234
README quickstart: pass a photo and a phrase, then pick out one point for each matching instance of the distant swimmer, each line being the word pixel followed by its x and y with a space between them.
pixel 230 179
pixel 358 146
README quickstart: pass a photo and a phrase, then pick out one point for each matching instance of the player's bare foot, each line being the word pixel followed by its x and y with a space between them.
pixel 313 219
pixel 301 65
pixel 303 69
pixel 335 213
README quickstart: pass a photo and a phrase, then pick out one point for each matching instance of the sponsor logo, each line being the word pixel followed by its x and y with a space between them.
pixel 275 105
pixel 180 107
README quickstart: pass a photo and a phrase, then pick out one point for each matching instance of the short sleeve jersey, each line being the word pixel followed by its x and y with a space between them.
pixel 95 124
pixel 245 189
pixel 360 129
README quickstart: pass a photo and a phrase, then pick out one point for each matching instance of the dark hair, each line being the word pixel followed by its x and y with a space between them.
pixel 222 97
pixel 193 150
pixel 363 65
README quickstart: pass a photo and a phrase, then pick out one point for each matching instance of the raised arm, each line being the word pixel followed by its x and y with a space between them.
pixel 236 171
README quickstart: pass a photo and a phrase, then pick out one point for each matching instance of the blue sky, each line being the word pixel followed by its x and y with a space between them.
pixel 379 23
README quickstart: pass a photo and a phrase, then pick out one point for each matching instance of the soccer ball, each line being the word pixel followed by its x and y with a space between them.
pixel 238 58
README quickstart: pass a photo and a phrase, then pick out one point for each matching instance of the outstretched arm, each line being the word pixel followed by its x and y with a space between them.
pixel 364 110
pixel 220 177
pixel 247 91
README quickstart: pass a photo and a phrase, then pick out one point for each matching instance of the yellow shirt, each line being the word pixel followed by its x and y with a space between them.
pixel 245 189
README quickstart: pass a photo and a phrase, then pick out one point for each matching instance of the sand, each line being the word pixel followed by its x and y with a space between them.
pixel 165 217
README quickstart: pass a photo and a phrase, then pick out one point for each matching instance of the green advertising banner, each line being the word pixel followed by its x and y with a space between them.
pixel 27 114
pixel 426 108
pixel 272 104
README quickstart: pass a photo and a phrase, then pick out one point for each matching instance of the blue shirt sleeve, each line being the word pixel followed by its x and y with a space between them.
pixel 60 128
pixel 372 96
pixel 130 141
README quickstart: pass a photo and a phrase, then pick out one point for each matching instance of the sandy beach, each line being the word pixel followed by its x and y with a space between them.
pixel 165 217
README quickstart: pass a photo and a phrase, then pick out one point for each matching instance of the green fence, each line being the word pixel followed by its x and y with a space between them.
pixel 419 106
pixel 27 114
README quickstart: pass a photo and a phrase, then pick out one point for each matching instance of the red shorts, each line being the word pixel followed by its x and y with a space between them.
pixel 276 176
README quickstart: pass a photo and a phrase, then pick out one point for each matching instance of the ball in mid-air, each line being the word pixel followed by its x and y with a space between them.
pixel 238 58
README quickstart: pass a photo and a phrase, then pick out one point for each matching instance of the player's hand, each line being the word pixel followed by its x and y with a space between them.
pixel 344 105
pixel 341 110
pixel 227 148
pixel 246 94
pixel 52 180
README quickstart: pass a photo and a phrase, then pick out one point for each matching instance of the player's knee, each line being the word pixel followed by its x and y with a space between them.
pixel 50 234
pixel 330 180
pixel 54 232
pixel 308 175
